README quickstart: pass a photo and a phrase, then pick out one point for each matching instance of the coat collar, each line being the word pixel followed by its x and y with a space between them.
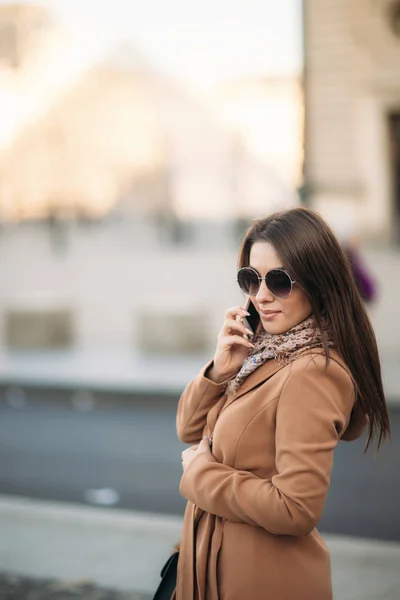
pixel 264 372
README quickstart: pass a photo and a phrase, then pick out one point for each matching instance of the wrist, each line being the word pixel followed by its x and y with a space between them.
pixel 215 376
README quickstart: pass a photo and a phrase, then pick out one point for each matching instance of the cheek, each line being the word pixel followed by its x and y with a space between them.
pixel 298 303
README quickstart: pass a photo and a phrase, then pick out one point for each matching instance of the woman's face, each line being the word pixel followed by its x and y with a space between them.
pixel 277 314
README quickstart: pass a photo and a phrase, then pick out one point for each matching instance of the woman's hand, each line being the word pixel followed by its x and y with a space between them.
pixel 232 347
pixel 190 453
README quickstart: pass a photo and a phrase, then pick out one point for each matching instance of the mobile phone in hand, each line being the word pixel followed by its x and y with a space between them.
pixel 253 320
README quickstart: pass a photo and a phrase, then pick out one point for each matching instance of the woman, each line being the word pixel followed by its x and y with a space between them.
pixel 266 414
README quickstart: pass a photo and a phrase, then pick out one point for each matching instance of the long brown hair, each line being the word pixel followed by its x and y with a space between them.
pixel 313 257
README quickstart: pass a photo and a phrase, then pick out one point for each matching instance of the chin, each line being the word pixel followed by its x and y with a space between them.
pixel 274 328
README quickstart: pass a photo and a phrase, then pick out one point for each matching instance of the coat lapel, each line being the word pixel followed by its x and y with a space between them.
pixel 260 375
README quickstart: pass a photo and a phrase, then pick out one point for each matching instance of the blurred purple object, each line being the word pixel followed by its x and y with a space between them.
pixel 365 284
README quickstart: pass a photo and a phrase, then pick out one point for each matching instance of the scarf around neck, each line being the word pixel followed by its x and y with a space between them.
pixel 283 347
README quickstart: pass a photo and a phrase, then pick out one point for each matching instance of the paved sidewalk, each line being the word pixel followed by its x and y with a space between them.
pixel 125 550
pixel 19 587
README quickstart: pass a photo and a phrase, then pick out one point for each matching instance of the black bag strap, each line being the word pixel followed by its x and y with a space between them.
pixel 168 578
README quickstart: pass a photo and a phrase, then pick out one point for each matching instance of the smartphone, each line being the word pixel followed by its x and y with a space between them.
pixel 253 320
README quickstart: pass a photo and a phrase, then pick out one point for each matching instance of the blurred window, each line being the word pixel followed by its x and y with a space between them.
pixel 175 232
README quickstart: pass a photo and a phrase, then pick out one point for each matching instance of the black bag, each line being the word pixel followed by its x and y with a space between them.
pixel 168 578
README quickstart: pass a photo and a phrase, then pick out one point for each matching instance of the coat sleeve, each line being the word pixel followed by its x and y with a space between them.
pixel 312 411
pixel 197 399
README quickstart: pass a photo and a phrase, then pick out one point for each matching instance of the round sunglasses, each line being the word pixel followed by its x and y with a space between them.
pixel 279 283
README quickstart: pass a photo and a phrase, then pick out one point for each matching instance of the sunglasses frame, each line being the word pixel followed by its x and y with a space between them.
pixel 261 279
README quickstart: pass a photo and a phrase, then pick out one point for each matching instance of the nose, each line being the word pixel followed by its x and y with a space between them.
pixel 264 295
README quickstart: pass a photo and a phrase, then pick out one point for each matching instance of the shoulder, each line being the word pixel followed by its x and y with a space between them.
pixel 312 375
pixel 315 362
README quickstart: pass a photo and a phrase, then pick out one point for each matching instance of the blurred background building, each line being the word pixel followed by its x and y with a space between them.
pixel 117 179
pixel 352 99
pixel 125 187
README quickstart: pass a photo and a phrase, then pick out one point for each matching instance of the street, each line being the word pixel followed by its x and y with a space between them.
pixel 54 449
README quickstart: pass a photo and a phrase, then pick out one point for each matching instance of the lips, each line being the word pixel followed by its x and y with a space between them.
pixel 268 314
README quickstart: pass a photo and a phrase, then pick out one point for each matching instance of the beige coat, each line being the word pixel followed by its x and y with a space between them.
pixel 262 490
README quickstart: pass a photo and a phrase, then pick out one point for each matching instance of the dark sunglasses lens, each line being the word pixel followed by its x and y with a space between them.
pixel 279 283
pixel 248 281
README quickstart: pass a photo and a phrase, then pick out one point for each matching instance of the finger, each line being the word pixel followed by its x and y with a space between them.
pixel 232 340
pixel 235 311
pixel 205 445
pixel 189 450
pixel 231 326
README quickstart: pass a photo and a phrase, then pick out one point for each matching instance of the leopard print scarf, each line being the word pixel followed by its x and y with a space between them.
pixel 283 347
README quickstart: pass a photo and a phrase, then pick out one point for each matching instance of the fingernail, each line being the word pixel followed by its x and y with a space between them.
pixel 249 331
pixel 246 313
